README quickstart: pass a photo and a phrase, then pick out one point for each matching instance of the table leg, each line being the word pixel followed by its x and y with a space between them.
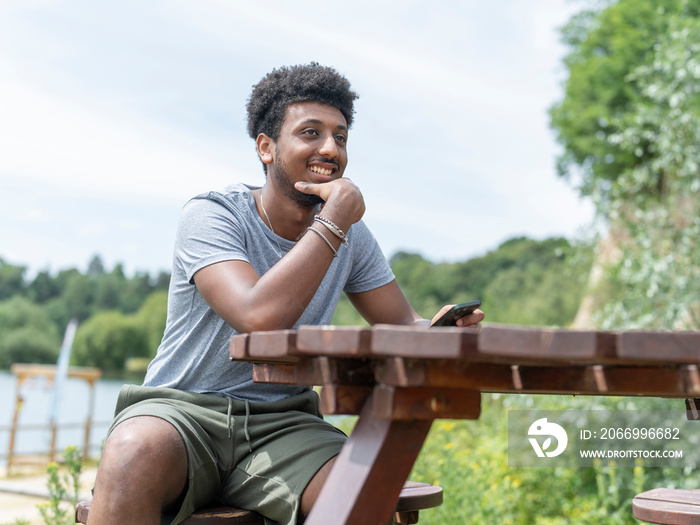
pixel 366 480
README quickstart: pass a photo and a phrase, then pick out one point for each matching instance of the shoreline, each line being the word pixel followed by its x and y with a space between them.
pixel 21 492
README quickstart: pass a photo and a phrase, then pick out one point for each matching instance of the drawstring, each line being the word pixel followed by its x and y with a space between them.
pixel 245 425
pixel 245 422
pixel 228 417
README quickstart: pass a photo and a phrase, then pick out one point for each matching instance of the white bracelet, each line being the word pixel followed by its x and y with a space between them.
pixel 335 252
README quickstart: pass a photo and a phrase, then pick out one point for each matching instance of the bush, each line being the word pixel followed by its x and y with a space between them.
pixel 108 339
pixel 26 334
pixel 27 345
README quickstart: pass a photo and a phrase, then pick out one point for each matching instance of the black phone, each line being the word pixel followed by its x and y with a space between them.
pixel 457 312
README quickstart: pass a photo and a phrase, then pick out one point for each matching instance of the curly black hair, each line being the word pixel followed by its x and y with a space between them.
pixel 287 85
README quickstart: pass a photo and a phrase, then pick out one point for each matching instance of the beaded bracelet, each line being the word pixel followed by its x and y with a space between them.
pixel 335 252
pixel 333 228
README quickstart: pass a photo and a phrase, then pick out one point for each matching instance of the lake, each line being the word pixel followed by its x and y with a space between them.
pixel 73 409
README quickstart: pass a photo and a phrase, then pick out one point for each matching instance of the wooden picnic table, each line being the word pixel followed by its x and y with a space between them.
pixel 399 379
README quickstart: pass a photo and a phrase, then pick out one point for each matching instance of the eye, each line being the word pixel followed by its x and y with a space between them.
pixel 341 138
pixel 309 131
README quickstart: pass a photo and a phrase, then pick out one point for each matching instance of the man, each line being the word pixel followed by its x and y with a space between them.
pixel 245 260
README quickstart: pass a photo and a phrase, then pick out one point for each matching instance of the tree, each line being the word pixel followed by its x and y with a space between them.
pixel 107 340
pixel 43 288
pixel 26 334
pixel 658 199
pixel 96 266
pixel 11 280
pixel 152 316
pixel 628 123
pixel 606 47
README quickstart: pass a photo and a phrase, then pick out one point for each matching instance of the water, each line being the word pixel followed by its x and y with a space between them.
pixel 73 409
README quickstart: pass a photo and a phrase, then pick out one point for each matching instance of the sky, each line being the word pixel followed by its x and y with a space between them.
pixel 114 114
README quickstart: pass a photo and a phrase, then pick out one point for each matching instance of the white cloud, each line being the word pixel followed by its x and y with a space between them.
pixel 451 126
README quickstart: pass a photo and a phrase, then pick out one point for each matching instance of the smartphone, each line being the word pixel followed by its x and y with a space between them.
pixel 457 312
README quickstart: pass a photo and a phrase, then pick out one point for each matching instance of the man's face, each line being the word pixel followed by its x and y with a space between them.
pixel 311 147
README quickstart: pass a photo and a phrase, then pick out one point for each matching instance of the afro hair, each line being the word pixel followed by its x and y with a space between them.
pixel 288 85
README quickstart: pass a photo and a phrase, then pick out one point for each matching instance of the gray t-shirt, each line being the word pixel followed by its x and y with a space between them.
pixel 215 227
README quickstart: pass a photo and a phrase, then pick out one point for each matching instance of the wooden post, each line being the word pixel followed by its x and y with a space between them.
pixel 13 430
pixel 25 371
pixel 366 480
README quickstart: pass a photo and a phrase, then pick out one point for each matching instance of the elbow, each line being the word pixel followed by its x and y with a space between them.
pixel 265 320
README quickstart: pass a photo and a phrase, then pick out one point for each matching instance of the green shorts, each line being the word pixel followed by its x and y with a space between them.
pixel 256 456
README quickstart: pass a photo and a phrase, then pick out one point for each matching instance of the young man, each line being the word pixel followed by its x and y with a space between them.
pixel 251 259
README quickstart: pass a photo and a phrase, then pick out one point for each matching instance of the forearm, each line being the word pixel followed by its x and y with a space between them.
pixel 280 296
pixel 249 302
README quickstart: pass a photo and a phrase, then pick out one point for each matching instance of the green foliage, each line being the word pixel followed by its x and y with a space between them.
pixel 606 46
pixel 151 317
pixel 346 315
pixel 33 315
pixel 657 201
pixel 63 487
pixel 26 334
pixel 108 339
pixel 522 282
pixel 469 459
pixel 629 125
pixel 11 280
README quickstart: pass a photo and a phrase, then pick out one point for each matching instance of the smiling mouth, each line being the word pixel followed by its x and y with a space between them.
pixel 321 171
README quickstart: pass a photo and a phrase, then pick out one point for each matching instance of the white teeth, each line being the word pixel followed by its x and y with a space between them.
pixel 321 171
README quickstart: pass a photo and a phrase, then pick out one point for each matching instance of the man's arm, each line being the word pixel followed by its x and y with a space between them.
pixel 388 305
pixel 249 302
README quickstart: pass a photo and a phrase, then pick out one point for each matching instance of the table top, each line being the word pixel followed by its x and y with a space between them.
pixel 500 358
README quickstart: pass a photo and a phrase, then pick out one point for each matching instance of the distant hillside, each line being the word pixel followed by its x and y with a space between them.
pixel 523 281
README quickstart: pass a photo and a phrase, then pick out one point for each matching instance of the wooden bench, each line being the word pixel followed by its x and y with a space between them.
pixel 668 506
pixel 414 497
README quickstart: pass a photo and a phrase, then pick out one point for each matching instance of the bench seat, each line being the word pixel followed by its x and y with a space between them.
pixel 414 497
pixel 668 506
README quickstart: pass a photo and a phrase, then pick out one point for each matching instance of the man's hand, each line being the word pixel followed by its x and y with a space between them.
pixel 473 319
pixel 344 201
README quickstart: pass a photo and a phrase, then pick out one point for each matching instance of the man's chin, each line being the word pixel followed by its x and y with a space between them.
pixel 306 200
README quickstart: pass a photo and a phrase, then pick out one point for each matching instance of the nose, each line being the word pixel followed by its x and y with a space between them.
pixel 329 148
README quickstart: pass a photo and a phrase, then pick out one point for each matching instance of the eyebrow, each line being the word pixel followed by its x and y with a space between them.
pixel 316 121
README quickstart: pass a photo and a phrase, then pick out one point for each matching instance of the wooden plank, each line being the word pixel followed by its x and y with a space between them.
pixel 576 379
pixel 274 373
pixel 517 344
pixel 278 345
pixel 416 496
pixel 647 381
pixel 476 376
pixel 425 403
pixel 325 370
pixel 344 399
pixel 670 506
pixel 667 347
pixel 398 371
pixel 368 475
pixel 336 341
pixel 604 380
pixel 565 379
pixel 423 342
pixel 212 514
pixel 217 514
pixel 238 348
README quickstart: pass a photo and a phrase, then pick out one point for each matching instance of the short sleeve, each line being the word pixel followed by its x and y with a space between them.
pixel 207 233
pixel 370 269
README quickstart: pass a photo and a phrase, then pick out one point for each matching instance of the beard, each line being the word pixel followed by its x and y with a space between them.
pixel 304 200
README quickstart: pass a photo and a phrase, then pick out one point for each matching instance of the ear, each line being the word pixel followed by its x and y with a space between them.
pixel 264 145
